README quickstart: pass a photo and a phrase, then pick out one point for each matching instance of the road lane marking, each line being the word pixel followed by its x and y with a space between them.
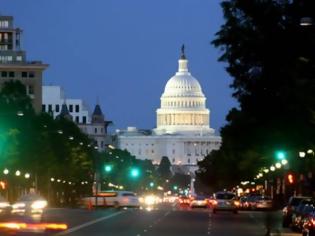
pixel 76 228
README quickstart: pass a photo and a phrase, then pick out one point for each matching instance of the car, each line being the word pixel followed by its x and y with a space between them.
pixel 287 211
pixel 29 204
pixel 5 207
pixel 199 201
pixel 308 223
pixel 225 201
pixel 303 209
pixel 262 203
pixel 184 201
pixel 115 199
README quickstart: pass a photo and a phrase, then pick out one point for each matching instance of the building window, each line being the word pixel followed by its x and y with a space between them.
pixel 19 58
pixel 11 74
pixel 95 130
pixel 173 160
pixel 43 108
pixel 57 108
pixel 24 74
pixel 188 160
pixel 77 119
pixel 49 108
pixel 31 74
pixel 173 151
pixel 77 108
pixel 4 74
pixel 102 130
pixel 4 24
pixel 102 144
pixel 31 90
pixel 152 151
pixel 71 108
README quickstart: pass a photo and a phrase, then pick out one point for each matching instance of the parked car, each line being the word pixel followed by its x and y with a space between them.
pixel 184 201
pixel 115 199
pixel 308 225
pixel 290 208
pixel 29 204
pixel 304 208
pixel 225 201
pixel 199 201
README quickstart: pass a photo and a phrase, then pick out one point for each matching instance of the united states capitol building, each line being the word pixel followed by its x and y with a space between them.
pixel 183 131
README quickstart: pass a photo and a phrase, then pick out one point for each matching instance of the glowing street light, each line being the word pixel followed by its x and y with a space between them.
pixel 6 171
pixel 266 170
pixel 272 168
pixel 302 154
pixel 27 176
pixel 18 173
pixel 284 162
pixel 278 165
pixel 52 179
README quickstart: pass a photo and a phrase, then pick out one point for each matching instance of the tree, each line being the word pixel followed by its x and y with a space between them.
pixel 164 169
pixel 270 57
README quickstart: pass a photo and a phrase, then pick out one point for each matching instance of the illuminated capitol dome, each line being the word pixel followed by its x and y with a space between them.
pixel 183 132
pixel 183 104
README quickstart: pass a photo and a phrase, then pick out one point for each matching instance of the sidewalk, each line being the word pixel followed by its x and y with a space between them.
pixel 284 232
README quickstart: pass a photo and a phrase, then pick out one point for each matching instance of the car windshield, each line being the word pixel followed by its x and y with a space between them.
pixel 225 196
pixel 296 201
pixel 128 195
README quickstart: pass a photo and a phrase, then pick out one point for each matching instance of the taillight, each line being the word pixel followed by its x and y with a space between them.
pixel 214 202
pixel 236 203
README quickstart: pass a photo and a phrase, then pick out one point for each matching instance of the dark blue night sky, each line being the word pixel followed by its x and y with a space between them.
pixel 124 51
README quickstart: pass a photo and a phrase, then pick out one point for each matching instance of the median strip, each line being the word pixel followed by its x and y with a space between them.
pixel 79 227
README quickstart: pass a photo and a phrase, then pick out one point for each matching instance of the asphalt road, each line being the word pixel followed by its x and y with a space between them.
pixel 165 221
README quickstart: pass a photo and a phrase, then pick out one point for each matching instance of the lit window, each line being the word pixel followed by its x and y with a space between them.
pixel 19 58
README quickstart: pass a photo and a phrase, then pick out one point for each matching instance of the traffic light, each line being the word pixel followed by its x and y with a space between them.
pixel 175 187
pixel 290 178
pixel 134 172
pixel 280 155
pixel 108 168
pixel 151 184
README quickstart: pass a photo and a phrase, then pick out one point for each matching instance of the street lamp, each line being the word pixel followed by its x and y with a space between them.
pixel 6 171
pixel 272 168
pixel 302 154
pixel 18 173
pixel 278 165
pixel 310 151
pixel 266 171
pixel 27 176
pixel 284 162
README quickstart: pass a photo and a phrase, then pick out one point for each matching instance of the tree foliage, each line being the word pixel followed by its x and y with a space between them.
pixel 270 57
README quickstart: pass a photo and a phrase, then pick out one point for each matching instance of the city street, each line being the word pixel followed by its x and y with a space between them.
pixel 165 221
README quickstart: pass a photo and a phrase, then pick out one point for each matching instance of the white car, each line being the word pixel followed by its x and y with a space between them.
pixel 225 201
pixel 115 199
pixel 29 204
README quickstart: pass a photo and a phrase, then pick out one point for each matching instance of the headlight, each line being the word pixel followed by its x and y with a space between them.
pixel 4 205
pixel 39 204
pixel 149 200
pixel 18 205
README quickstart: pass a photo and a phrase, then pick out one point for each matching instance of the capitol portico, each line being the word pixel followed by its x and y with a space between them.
pixel 182 132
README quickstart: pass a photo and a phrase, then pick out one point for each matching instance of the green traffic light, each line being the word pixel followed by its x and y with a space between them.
pixel 108 168
pixel 151 184
pixel 134 172
pixel 280 155
pixel 175 187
